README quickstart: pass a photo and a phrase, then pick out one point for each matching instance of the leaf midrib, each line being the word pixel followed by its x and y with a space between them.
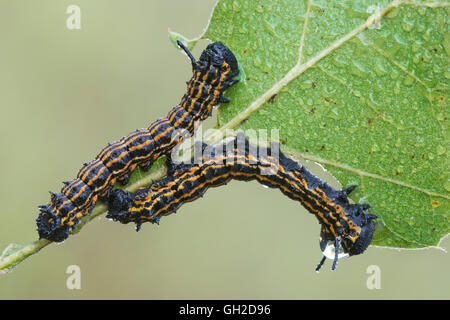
pixel 372 175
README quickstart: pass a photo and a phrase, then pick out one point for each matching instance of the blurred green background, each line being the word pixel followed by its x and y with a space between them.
pixel 66 93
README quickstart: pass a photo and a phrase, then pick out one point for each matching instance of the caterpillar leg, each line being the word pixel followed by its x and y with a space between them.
pixel 321 263
pixel 124 180
pixel 337 244
pixel 146 166
pixel 349 190
pixel 222 99
pixel 230 83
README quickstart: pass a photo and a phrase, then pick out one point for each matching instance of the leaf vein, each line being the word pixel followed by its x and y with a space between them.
pixel 399 65
pixel 374 176
pixel 305 27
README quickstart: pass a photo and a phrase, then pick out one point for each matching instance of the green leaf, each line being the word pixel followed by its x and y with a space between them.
pixel 360 87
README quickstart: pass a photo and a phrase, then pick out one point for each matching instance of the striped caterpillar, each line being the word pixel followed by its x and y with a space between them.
pixel 213 73
pixel 345 224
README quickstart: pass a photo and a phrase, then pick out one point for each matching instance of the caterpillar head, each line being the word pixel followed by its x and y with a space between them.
pixel 49 225
pixel 216 54
pixel 118 204
pixel 351 242
pixel 363 240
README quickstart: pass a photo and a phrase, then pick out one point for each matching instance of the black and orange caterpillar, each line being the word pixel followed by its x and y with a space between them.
pixel 212 74
pixel 345 224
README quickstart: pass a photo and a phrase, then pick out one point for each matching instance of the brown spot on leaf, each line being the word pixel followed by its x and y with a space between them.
pixel 272 98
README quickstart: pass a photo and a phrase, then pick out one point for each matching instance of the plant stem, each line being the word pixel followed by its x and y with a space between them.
pixel 9 261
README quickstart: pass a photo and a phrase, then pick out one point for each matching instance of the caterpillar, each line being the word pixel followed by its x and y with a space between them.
pixel 349 226
pixel 213 73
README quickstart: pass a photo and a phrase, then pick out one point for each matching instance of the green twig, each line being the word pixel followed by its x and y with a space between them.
pixel 14 254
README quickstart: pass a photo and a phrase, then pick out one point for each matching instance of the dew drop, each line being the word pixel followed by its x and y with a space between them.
pixel 306 84
pixel 447 185
pixel 257 61
pixel 415 47
pixel 337 61
pixel 329 252
pixel 407 26
pixel 408 81
pixel 394 75
pixel 440 150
